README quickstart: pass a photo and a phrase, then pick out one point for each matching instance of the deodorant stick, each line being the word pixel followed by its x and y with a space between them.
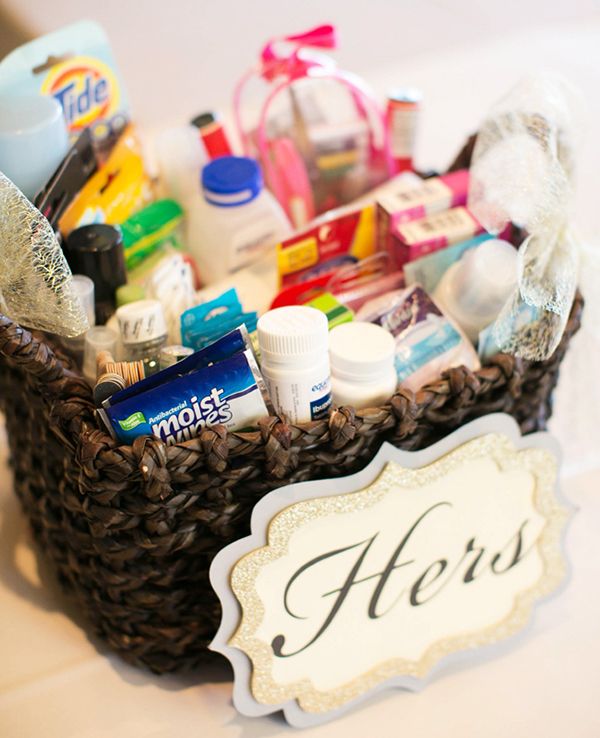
pixel 293 344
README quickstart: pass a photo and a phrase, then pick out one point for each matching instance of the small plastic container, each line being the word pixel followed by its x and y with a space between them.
pixel 97 339
pixel 362 364
pixel 33 139
pixel 295 361
pixel 143 332
pixel 236 221
pixel 474 289
pixel 84 289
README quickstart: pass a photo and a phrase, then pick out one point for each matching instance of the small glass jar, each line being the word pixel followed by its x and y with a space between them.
pixel 98 338
pixel 143 332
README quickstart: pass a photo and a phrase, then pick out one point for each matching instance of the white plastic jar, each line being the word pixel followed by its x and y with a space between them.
pixel 362 364
pixel 295 361
pixel 236 221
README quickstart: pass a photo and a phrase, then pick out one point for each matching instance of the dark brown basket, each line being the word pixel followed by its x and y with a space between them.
pixel 132 529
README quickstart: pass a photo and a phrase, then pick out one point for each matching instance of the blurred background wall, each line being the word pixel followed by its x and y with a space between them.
pixel 179 57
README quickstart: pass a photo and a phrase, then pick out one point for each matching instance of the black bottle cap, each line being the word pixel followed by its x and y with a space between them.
pixel 97 251
pixel 204 119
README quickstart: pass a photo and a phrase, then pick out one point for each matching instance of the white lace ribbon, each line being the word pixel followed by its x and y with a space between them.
pixel 522 172
pixel 35 280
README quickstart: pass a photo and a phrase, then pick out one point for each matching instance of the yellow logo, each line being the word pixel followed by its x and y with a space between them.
pixel 86 88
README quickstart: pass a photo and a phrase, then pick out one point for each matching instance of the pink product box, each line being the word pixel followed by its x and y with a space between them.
pixel 401 204
pixel 417 238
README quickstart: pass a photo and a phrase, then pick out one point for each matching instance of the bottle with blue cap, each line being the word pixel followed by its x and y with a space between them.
pixel 236 221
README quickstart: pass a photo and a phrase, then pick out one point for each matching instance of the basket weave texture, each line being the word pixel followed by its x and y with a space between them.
pixel 132 530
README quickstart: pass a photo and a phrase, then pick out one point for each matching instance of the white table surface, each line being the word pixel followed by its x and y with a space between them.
pixel 57 681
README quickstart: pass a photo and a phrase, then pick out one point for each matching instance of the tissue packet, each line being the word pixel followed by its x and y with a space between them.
pixel 427 343
pixel 230 393
pixel 201 324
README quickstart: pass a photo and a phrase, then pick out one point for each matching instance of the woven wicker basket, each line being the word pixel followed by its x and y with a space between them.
pixel 132 530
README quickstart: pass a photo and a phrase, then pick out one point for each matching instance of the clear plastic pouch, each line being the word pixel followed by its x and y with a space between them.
pixel 318 132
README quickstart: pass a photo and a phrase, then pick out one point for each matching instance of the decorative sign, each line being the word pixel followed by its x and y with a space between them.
pixel 351 585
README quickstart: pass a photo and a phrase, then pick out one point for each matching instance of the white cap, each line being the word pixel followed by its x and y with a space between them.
pixel 293 332
pixel 485 278
pixel 359 350
pixel 141 321
pixel 99 338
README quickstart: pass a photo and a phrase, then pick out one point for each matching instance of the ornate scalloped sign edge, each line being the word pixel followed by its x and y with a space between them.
pixel 353 585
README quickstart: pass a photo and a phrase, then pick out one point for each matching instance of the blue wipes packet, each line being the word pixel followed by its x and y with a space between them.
pixel 230 393
pixel 203 323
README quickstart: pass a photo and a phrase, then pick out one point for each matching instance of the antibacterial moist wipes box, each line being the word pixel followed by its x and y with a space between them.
pixel 226 393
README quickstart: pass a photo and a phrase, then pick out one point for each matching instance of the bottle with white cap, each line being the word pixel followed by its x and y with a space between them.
pixel 235 220
pixel 143 332
pixel 293 344
pixel 474 289
pixel 362 364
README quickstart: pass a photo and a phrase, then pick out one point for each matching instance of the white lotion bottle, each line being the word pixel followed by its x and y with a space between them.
pixel 362 364
pixel 293 344
pixel 235 220
pixel 474 289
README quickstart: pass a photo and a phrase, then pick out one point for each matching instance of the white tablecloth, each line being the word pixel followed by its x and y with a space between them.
pixel 57 681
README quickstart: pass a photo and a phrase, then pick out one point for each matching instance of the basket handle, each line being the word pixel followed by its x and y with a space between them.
pixel 66 392
pixel 33 356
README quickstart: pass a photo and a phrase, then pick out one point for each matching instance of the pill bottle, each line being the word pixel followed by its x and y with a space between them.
pixel 293 345
pixel 235 220
pixel 143 332
pixel 362 364
pixel 474 289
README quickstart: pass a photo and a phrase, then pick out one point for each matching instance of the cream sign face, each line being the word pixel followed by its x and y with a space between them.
pixel 350 585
